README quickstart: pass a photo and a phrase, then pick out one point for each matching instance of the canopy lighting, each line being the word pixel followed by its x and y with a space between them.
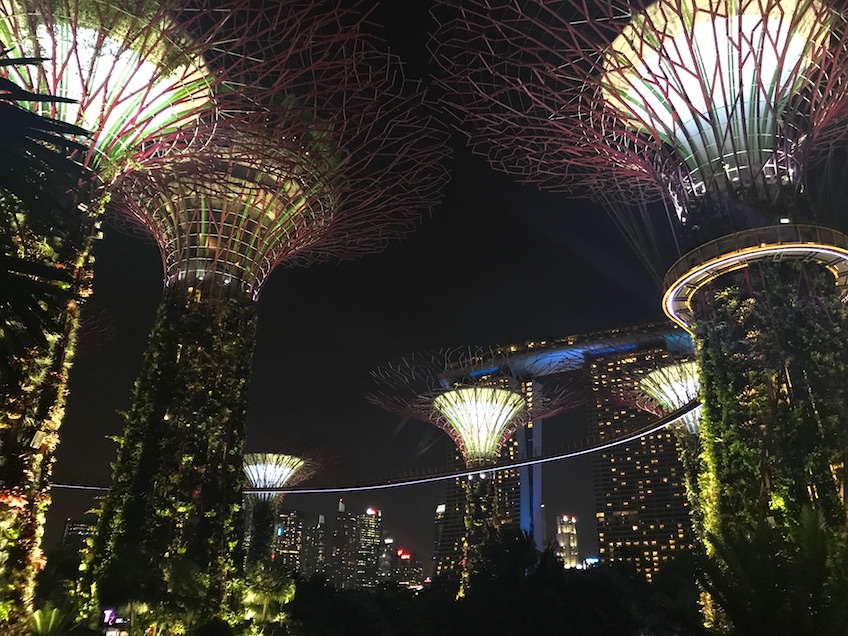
pixel 480 417
pixel 673 387
pixel 712 78
pixel 121 92
pixel 269 470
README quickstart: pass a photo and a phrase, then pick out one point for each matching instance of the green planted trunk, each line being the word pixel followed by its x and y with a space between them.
pixel 773 354
pixel 45 274
pixel 261 531
pixel 480 525
pixel 169 528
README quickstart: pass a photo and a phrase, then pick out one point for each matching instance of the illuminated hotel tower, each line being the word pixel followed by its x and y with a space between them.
pixel 640 493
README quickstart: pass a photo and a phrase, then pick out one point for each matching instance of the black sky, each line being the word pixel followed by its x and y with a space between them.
pixel 497 263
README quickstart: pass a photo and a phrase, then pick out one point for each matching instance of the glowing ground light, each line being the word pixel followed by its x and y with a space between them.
pixel 270 471
pixel 480 417
pixel 712 78
pixel 673 387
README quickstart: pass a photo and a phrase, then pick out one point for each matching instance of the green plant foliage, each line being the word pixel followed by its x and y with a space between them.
pixel 169 528
pixel 269 587
pixel 774 581
pixel 261 530
pixel 44 257
pixel 480 515
pixel 50 621
pixel 773 354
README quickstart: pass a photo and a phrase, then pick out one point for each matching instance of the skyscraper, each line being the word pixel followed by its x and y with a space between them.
pixel 640 496
pixel 313 553
pixel 343 548
pixel 288 539
pixel 567 541
pixel 355 548
pixel 369 536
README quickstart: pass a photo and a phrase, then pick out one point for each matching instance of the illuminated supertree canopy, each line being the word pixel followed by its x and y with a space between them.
pixel 480 417
pixel 474 395
pixel 333 157
pixel 714 133
pixel 479 397
pixel 272 471
pixel 672 387
pixel 268 471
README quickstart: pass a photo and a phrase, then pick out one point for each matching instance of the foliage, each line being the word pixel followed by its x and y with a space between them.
pixel 44 243
pixel 50 621
pixel 480 505
pixel 773 356
pixel 779 580
pixel 544 598
pixel 269 588
pixel 169 528
pixel 262 513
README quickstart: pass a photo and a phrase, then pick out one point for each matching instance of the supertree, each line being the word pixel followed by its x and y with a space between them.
pixel 480 400
pixel 125 73
pixel 267 473
pixel 336 157
pixel 712 131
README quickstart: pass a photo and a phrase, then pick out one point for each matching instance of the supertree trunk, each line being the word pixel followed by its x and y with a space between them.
pixel 480 524
pixel 261 531
pixel 773 358
pixel 174 508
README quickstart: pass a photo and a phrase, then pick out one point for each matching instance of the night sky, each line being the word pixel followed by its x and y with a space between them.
pixel 497 263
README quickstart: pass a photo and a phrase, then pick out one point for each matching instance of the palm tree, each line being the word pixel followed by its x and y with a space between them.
pixel 269 588
pixel 779 581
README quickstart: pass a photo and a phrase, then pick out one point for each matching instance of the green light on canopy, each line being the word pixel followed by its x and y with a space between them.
pixel 129 76
pixel 480 418
pixel 675 386
pixel 711 78
pixel 270 470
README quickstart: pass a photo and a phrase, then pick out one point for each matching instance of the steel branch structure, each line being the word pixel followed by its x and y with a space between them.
pixel 714 131
pixel 479 399
pixel 716 109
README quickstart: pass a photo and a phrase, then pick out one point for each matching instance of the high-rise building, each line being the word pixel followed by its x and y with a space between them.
pixel 640 496
pixel 77 532
pixel 407 571
pixel 288 539
pixel 386 560
pixel 529 444
pixel 355 549
pixel 343 551
pixel 567 541
pixel 313 548
pixel 369 535
pixel 450 524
